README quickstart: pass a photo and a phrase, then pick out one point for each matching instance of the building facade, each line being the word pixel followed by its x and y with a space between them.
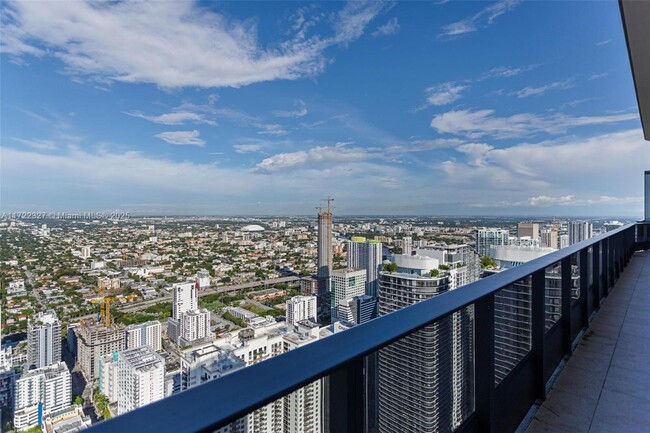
pixel 488 237
pixel 144 334
pixel 324 252
pixel 43 340
pixel 140 378
pixel 346 283
pixel 93 341
pixel 40 392
pixel 301 308
pixel 579 231
pixel 363 254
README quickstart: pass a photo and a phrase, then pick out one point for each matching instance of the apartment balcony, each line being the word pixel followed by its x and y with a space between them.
pixel 575 375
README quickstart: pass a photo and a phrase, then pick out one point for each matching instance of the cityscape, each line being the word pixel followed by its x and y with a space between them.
pixel 324 217
pixel 103 316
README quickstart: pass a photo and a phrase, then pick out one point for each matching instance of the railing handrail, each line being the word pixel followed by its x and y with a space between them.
pixel 243 391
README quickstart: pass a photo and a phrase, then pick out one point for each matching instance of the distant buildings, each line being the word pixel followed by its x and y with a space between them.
pixel 549 238
pixel 579 231
pixel 144 334
pixel 486 238
pixel 346 283
pixel 85 252
pixel 363 254
pixel 40 392
pixel 508 256
pixel 203 279
pixel 528 229
pixel 43 340
pixel 301 308
pixel 357 310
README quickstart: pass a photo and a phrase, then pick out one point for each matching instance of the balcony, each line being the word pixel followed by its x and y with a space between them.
pixel 576 368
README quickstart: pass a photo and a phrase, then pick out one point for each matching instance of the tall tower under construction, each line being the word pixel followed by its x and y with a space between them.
pixel 324 260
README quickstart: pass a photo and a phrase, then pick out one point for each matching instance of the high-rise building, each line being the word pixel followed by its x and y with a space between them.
pixel 528 229
pixel 43 340
pixel 346 283
pixel 434 391
pixel 579 231
pixel 188 323
pixel 324 252
pixel 95 340
pixel 549 238
pixel 564 240
pixel 357 310
pixel 301 308
pixel 40 392
pixel 85 252
pixel 485 238
pixel 140 378
pixel 144 334
pixel 407 245
pixel 185 298
pixel 366 255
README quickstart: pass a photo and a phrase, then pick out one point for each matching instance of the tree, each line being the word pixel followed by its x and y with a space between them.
pixel 78 400
pixel 487 262
pixel 434 272
pixel 390 267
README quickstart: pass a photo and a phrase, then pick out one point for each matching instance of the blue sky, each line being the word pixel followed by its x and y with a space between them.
pixel 475 108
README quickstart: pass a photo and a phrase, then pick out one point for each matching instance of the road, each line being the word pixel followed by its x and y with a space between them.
pixel 139 305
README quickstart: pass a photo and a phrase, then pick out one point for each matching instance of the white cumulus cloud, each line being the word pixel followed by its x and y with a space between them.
pixel 190 138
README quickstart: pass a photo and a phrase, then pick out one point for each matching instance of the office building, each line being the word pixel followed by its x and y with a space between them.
pixel 579 231
pixel 301 308
pixel 144 334
pixel 324 251
pixel 363 254
pixel 528 230
pixel 434 391
pixel 357 310
pixel 486 238
pixel 93 341
pixel 40 392
pixel 140 378
pixel 43 340
pixel 85 252
pixel 346 283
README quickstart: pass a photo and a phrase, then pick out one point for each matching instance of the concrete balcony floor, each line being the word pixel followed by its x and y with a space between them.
pixel 605 384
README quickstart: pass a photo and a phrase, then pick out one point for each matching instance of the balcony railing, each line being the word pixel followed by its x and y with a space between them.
pixel 499 405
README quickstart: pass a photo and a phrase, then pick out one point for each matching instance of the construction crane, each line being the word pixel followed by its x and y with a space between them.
pixel 105 308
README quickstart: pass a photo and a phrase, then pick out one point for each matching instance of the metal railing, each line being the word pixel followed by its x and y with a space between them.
pixel 599 260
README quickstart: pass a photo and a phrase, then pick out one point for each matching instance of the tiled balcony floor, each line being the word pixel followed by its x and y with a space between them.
pixel 605 385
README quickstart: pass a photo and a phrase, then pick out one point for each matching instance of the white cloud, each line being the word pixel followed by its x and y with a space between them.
pixel 505 72
pixel 320 155
pixel 37 143
pixel 247 148
pixel 605 42
pixel 190 138
pixel 352 20
pixel 543 201
pixel 299 111
pixel 390 28
pixel 173 118
pixel 482 19
pixel 167 43
pixel 476 124
pixel 538 91
pixel 598 76
pixel 552 173
pixel 445 93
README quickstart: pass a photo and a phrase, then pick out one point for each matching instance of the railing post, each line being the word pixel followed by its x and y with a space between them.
pixel 484 363
pixel 604 248
pixel 596 278
pixel 584 286
pixel 346 406
pixel 538 323
pixel 565 297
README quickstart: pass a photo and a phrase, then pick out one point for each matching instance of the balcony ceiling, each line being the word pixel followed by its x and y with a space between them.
pixel 636 22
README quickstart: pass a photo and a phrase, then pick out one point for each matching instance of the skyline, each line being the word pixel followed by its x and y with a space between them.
pixel 393 109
